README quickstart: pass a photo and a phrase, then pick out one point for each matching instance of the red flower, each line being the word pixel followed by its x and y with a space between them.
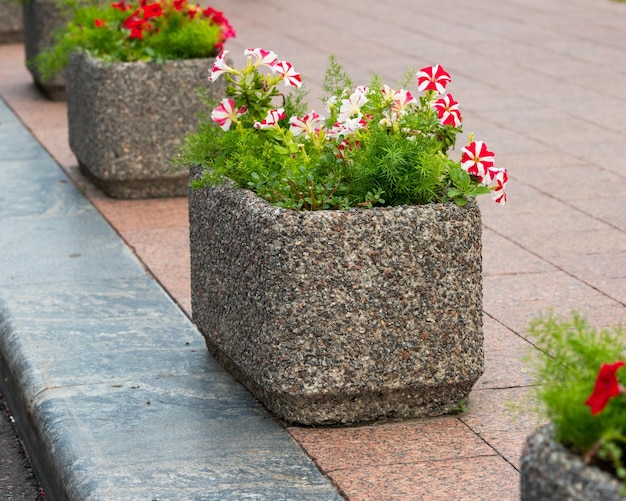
pixel 99 23
pixel 120 5
pixel 192 10
pixel 152 10
pixel 136 26
pixel 606 387
pixel 178 4
pixel 448 111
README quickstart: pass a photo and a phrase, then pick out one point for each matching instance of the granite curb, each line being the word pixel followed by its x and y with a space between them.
pixel 111 385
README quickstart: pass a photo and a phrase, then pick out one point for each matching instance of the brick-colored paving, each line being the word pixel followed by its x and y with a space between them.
pixel 542 82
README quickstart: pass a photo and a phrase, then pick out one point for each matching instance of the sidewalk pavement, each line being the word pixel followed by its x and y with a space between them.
pixel 540 81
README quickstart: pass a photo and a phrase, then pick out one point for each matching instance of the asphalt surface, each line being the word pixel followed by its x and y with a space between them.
pixel 17 480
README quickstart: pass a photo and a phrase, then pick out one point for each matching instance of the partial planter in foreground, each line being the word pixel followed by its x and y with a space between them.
pixel 10 22
pixel 340 316
pixel 127 120
pixel 41 18
pixel 550 471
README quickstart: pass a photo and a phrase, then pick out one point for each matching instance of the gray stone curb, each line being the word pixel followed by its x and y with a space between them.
pixel 111 385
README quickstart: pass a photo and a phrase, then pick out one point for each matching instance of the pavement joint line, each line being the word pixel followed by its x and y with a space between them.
pixel 111 385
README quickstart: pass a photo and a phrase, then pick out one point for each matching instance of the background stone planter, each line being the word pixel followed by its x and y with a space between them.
pixel 126 121
pixel 340 316
pixel 41 18
pixel 10 21
pixel 550 472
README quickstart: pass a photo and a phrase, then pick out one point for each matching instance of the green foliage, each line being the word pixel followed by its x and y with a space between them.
pixel 100 31
pixel 406 172
pixel 336 80
pixel 566 379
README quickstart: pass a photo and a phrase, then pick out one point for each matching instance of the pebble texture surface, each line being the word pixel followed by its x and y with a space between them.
pixel 10 21
pixel 340 316
pixel 41 19
pixel 550 471
pixel 127 120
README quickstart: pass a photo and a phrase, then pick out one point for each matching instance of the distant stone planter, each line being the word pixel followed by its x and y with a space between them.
pixel 126 121
pixel 340 316
pixel 550 471
pixel 10 21
pixel 41 18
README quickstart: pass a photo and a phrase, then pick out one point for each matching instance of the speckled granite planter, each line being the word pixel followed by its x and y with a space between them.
pixel 340 316
pixel 551 472
pixel 10 21
pixel 41 18
pixel 126 121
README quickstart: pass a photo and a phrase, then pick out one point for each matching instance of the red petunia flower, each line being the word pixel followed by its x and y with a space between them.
pixel 178 4
pixel 606 387
pixel 433 78
pixel 152 10
pixel 120 6
pixel 136 26
pixel 448 111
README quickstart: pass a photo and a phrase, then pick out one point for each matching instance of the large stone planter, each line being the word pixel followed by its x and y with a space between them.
pixel 41 18
pixel 127 120
pixel 552 472
pixel 10 21
pixel 340 316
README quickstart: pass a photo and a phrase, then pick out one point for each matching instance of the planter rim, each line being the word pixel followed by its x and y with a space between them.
pixel 252 198
pixel 140 61
pixel 550 470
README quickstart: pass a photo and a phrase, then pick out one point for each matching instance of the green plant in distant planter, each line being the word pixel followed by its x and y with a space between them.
pixel 581 384
pixel 132 89
pixel 126 32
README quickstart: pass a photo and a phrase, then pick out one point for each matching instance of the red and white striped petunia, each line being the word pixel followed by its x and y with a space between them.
pixel 448 110
pixel 220 66
pixel 271 120
pixel 433 78
pixel 262 57
pixel 347 128
pixel 476 159
pixel 226 113
pixel 352 106
pixel 308 124
pixel 402 99
pixel 285 69
pixel 499 178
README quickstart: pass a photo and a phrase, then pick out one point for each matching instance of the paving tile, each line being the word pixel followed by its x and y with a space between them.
pixel 501 256
pixel 503 418
pixel 609 210
pixel 580 182
pixel 387 444
pixel 515 300
pixel 522 200
pixel 505 358
pixel 488 478
pixel 552 233
pixel 165 252
pixel 129 215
